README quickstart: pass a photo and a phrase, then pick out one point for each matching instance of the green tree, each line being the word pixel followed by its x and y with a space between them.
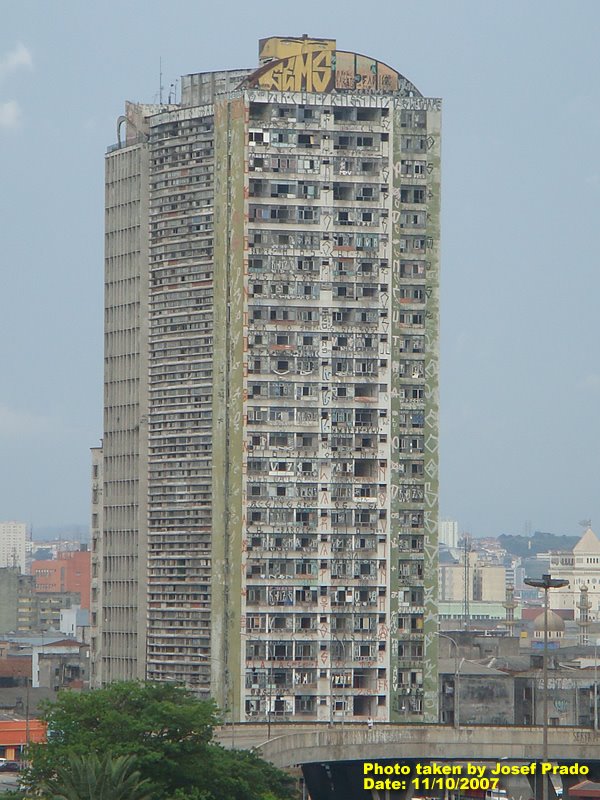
pixel 92 778
pixel 168 732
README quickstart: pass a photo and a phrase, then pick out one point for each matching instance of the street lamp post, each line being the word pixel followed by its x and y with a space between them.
pixel 546 583
pixel 596 685
pixel 596 643
pixel 456 678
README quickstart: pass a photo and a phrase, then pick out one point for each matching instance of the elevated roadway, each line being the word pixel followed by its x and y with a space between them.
pixel 332 757
pixel 303 743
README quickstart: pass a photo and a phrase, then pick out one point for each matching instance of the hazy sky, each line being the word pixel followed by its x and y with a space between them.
pixel 520 392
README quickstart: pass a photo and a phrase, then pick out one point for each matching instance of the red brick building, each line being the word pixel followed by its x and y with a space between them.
pixel 69 572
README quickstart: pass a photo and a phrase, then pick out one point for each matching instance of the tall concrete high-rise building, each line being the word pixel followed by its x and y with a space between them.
pixel 270 445
pixel 13 544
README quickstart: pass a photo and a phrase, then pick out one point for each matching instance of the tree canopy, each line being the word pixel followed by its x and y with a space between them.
pixel 539 542
pixel 93 778
pixel 167 732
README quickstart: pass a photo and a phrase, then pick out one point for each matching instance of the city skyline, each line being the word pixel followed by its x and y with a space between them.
pixel 507 350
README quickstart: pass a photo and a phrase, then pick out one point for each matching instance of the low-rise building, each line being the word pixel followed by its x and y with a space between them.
pixel 17 734
pixel 570 697
pixel 52 604
pixel 75 623
pixel 61 665
pixel 496 680
pixel 55 661
pixel 477 693
pixel 69 572
pixel 481 613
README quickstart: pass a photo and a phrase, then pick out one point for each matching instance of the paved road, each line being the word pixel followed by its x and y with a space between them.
pixel 8 780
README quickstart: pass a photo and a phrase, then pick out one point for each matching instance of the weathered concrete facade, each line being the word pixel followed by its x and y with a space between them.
pixel 291 259
pixel 19 611
pixel 119 610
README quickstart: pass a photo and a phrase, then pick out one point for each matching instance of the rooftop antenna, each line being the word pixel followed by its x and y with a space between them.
pixel 160 86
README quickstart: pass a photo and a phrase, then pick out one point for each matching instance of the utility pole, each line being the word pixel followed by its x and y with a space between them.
pixel 269 697
pixel 27 733
pixel 466 574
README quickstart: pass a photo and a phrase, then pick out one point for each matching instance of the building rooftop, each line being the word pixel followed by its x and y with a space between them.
pixel 589 543
pixel 448 666
pixel 35 639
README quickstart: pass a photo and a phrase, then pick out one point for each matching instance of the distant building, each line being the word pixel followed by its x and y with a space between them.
pixel 489 583
pixel 40 662
pixel 480 612
pixel 452 583
pixel 74 621
pixel 69 572
pixel 13 544
pixel 514 573
pixel 52 604
pixel 581 567
pixel 486 582
pixel 18 603
pixel 61 665
pixel 448 532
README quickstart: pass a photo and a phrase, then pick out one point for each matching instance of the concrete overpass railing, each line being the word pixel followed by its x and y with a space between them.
pixel 304 743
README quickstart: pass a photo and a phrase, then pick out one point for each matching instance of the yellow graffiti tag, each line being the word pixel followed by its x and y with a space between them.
pixel 306 72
